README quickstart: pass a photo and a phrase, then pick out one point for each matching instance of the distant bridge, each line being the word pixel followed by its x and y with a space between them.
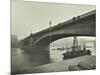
pixel 83 25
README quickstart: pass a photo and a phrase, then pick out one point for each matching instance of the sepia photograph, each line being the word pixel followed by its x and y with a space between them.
pixel 52 37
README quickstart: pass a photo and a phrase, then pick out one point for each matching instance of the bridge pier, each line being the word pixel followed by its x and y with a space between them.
pixel 42 53
pixel 39 53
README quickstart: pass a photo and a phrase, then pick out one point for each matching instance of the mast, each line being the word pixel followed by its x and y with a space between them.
pixel 75 43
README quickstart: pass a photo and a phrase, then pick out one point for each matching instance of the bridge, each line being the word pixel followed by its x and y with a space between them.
pixel 82 25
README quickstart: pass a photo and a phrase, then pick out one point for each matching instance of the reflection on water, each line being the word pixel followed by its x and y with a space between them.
pixel 22 60
pixel 56 55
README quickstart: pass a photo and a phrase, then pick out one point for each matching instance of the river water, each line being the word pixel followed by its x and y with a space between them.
pixel 22 60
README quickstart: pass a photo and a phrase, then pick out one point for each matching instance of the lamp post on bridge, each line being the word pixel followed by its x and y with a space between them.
pixel 50 22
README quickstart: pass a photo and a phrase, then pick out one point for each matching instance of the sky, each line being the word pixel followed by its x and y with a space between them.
pixel 31 17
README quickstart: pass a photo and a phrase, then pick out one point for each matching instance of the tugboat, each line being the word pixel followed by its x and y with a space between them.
pixel 75 51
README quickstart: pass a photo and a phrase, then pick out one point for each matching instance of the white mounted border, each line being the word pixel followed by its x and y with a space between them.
pixel 5 37
pixel 90 2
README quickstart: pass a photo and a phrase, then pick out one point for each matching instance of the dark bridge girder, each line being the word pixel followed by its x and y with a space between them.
pixel 46 41
pixel 81 27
